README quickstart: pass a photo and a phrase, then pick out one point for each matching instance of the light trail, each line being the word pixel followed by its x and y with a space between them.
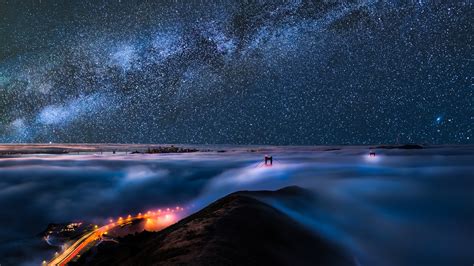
pixel 155 220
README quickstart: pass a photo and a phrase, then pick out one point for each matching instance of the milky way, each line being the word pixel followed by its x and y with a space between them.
pixel 299 72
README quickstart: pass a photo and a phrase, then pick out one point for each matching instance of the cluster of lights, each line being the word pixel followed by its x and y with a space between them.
pixel 372 157
pixel 149 215
pixel 155 220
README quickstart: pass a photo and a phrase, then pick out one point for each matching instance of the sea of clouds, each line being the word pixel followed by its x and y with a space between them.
pixel 402 207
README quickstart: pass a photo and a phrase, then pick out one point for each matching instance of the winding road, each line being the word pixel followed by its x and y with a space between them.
pixel 154 221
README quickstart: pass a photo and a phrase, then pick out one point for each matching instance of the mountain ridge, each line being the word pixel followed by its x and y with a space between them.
pixel 237 229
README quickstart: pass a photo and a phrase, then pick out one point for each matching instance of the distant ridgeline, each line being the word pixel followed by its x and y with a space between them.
pixel 171 149
pixel 13 150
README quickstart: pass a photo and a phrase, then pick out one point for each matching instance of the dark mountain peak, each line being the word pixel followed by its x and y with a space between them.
pixel 289 190
pixel 237 229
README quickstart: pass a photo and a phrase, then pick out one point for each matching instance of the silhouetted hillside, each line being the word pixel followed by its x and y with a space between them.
pixel 235 230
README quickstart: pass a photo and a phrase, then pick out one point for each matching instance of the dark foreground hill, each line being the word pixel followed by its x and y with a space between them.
pixel 235 230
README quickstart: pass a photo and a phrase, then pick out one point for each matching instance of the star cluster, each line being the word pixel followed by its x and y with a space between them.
pixel 239 72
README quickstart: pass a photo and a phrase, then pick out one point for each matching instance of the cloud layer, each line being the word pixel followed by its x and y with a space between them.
pixel 405 201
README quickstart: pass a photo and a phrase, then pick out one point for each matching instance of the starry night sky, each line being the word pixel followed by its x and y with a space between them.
pixel 237 72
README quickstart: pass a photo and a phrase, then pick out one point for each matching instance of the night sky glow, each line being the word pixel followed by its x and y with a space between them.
pixel 239 72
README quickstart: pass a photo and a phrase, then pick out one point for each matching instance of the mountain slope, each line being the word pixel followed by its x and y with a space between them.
pixel 235 230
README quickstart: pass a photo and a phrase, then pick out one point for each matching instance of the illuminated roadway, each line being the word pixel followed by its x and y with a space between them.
pixel 154 220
